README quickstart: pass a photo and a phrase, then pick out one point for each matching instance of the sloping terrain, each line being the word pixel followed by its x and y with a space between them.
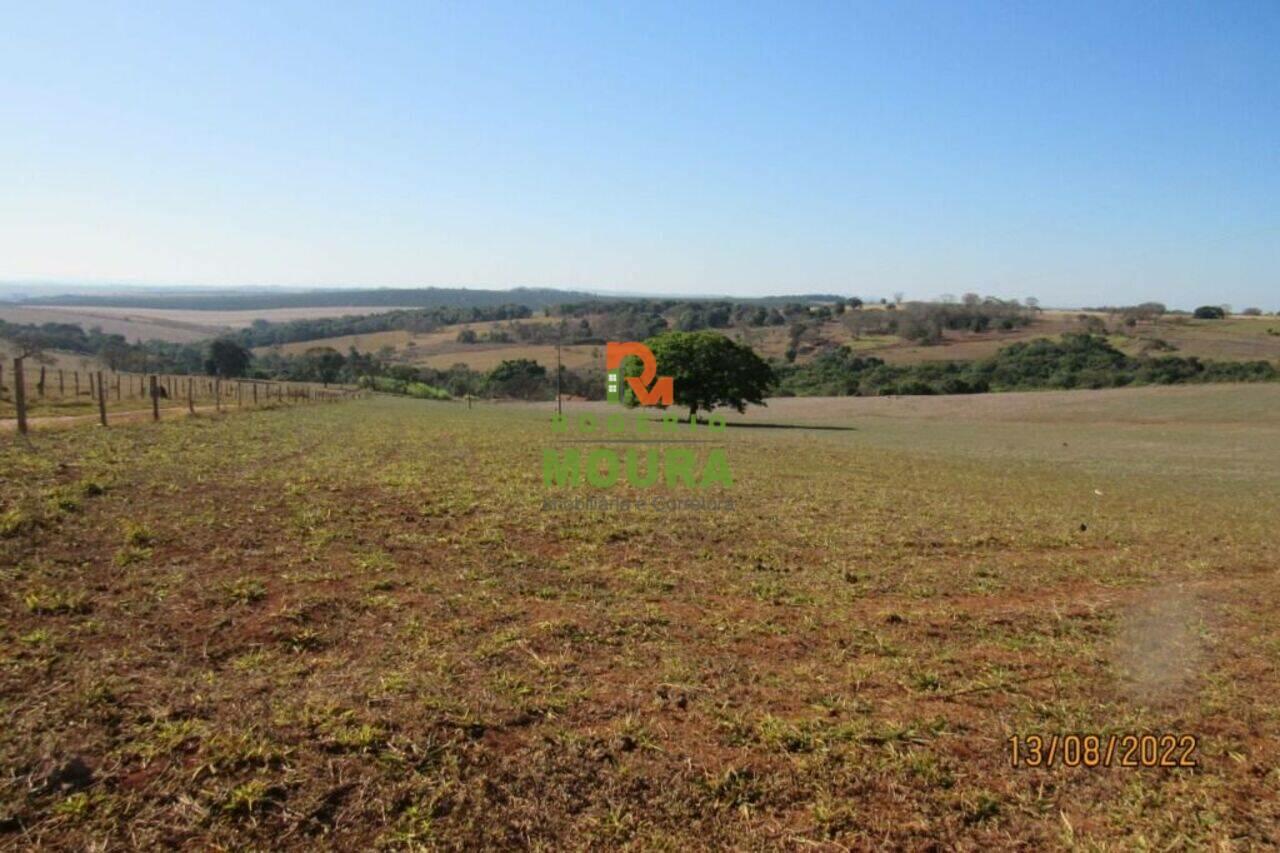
pixel 1237 338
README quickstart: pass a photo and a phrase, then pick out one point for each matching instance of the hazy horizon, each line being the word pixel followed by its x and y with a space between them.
pixel 1088 155
pixel 50 289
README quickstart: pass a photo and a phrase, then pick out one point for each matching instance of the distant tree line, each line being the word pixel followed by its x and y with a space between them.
pixel 239 300
pixel 925 322
pixel 264 333
pixel 1073 361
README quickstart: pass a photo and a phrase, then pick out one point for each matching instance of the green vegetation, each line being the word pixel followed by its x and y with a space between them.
pixel 710 371
pixel 520 378
pixel 407 387
pixel 1074 361
pixel 227 359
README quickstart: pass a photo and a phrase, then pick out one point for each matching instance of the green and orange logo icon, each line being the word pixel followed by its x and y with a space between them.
pixel 649 388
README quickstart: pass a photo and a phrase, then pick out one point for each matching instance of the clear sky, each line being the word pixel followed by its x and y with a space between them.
pixel 1081 153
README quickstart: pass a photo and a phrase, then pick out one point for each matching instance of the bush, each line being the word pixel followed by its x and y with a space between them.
pixel 406 387
pixel 1209 312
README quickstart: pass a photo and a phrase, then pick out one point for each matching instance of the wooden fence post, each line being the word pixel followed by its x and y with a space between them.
pixel 239 394
pixel 76 375
pixel 40 384
pixel 117 387
pixel 20 396
pixel 62 386
pixel 217 395
pixel 102 400
pixel 255 394
pixel 155 398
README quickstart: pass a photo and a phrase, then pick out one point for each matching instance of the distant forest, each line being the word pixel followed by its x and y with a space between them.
pixel 535 298
pixel 238 300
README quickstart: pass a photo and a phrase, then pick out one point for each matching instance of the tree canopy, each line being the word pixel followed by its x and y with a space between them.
pixel 227 358
pixel 520 377
pixel 326 362
pixel 710 370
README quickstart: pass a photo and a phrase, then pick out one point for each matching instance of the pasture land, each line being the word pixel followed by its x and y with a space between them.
pixel 357 625
pixel 53 359
pixel 1236 338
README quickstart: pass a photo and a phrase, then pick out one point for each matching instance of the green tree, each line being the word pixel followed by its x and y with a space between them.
pixel 227 358
pixel 521 377
pixel 325 362
pixel 710 370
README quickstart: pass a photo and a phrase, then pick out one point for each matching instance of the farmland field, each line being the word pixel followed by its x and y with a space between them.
pixel 175 325
pixel 357 625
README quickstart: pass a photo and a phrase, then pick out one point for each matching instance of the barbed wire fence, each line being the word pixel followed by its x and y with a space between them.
pixel 32 393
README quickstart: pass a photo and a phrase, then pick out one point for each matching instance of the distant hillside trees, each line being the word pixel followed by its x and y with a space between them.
pixel 925 322
pixel 1091 324
pixel 1072 361
pixel 239 300
pixel 1145 312
pixel 262 333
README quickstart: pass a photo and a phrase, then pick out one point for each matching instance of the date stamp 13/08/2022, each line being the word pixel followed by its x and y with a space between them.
pixel 1099 750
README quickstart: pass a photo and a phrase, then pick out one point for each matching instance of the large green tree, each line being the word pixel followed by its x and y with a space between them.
pixel 227 358
pixel 325 362
pixel 520 377
pixel 710 370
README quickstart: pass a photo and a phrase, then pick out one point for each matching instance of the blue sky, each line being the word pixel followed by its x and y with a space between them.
pixel 1081 153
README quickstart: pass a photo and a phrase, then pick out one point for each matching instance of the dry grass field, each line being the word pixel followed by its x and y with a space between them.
pixel 1233 339
pixel 164 324
pixel 357 626
pixel 53 359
